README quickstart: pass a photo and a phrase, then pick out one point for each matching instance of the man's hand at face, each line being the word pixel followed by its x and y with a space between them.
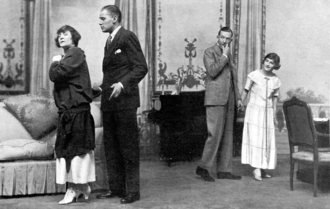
pixel 226 49
pixel 117 88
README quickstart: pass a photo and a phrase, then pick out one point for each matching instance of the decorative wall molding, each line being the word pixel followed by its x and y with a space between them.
pixel 263 47
pixel 183 32
pixel 14 69
pixel 236 28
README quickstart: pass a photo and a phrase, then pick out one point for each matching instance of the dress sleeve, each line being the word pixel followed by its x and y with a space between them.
pixel 276 86
pixel 248 84
pixel 276 92
pixel 61 71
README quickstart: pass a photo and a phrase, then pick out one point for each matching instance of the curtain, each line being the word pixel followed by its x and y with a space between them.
pixel 136 17
pixel 40 33
pixel 249 25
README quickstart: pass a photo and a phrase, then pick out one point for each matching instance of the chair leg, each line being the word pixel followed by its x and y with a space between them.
pixel 291 174
pixel 316 168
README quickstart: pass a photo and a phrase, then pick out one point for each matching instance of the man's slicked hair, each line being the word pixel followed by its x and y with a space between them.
pixel 226 29
pixel 113 10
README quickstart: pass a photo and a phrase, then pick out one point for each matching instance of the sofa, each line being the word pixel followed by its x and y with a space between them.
pixel 27 140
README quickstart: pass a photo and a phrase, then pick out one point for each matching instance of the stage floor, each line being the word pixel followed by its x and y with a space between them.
pixel 178 186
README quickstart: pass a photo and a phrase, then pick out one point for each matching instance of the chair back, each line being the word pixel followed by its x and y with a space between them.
pixel 300 124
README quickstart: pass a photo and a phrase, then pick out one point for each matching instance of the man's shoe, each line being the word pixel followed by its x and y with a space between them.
pixel 130 198
pixel 204 174
pixel 110 194
pixel 228 175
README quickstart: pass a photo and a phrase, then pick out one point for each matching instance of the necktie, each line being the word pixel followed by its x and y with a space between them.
pixel 109 42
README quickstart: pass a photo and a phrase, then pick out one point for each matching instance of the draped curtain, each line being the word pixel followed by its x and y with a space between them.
pixel 40 33
pixel 136 17
pixel 249 25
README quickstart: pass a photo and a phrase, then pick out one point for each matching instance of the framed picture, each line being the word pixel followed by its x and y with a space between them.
pixel 14 46
pixel 183 31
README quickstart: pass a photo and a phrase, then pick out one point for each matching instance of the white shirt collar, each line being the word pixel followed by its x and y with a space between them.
pixel 114 32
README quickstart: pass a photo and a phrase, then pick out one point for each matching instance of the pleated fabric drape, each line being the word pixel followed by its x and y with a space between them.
pixel 248 21
pixel 40 42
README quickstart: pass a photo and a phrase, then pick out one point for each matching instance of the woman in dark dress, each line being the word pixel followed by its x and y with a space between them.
pixel 75 142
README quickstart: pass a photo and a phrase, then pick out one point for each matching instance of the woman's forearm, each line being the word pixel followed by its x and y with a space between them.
pixel 244 94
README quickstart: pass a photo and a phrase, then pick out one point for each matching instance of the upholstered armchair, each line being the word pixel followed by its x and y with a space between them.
pixel 303 135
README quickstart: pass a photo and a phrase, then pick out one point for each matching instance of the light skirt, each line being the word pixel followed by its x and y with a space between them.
pixel 259 150
pixel 82 169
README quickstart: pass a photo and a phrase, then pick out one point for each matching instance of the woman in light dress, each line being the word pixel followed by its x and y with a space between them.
pixel 258 145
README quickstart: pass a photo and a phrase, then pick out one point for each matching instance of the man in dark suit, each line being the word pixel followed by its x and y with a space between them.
pixel 124 66
pixel 221 98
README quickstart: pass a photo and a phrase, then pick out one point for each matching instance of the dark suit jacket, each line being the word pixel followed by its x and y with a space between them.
pixel 220 75
pixel 124 62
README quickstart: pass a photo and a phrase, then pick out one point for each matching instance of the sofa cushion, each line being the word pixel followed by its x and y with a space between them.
pixel 10 127
pixel 37 113
pixel 50 138
pixel 25 149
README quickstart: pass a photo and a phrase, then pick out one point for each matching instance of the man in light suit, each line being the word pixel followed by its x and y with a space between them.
pixel 221 98
pixel 124 66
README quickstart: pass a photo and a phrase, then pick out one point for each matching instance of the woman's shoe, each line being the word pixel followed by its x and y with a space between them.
pixel 85 193
pixel 256 176
pixel 70 197
pixel 264 174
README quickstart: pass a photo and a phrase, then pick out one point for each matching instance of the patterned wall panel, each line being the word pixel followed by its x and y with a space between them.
pixel 13 65
pixel 183 31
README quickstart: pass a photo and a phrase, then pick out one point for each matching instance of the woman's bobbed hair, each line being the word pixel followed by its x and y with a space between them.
pixel 275 58
pixel 74 34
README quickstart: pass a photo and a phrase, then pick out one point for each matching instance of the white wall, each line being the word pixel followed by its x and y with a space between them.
pixel 83 15
pixel 298 31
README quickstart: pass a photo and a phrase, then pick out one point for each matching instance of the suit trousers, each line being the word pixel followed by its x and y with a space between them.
pixel 219 143
pixel 121 146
